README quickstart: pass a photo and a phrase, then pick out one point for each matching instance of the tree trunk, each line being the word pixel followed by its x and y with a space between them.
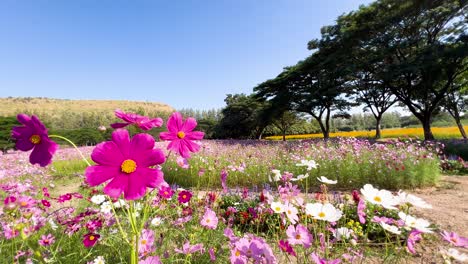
pixel 461 128
pixel 378 120
pixel 426 122
pixel 284 135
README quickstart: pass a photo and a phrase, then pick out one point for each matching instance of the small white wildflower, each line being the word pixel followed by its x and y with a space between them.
pixel 98 199
pixel 106 207
pixel 157 221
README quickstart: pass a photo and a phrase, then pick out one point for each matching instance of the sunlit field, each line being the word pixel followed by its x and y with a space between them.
pixel 416 133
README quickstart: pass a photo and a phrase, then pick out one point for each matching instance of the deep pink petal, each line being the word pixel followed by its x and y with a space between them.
pixel 38 125
pixel 192 146
pixel 43 152
pixel 122 139
pixel 168 136
pixel 115 187
pixel 119 125
pixel 23 119
pixel 149 158
pixel 107 153
pixel 179 147
pixel 149 124
pixel 152 178
pixel 22 132
pixel 189 124
pixel 141 142
pixel 98 174
pixel 24 144
pixel 195 135
pixel 136 186
pixel 174 124
pixel 124 116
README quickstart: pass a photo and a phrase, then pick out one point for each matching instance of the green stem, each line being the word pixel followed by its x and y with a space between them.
pixel 73 144
pixel 124 235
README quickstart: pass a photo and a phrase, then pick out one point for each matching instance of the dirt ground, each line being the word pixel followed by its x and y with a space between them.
pixel 450 204
pixel 450 212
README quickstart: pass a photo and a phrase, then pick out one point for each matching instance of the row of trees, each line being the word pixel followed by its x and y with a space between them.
pixel 412 53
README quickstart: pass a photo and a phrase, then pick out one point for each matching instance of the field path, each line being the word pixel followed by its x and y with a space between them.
pixel 450 204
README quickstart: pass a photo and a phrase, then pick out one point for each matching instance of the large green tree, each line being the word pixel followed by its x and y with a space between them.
pixel 419 46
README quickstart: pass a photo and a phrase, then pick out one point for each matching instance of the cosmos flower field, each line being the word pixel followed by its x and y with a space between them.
pixel 181 199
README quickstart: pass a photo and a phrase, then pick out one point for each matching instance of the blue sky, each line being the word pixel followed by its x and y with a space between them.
pixel 188 54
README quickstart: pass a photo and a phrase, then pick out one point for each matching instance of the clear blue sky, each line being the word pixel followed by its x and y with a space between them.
pixel 188 54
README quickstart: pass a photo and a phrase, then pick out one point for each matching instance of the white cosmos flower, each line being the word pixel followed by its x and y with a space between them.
pixel 98 199
pixel 455 254
pixel 324 179
pixel 106 207
pixel 413 200
pixel 342 232
pixel 326 212
pixel 52 224
pixel 300 177
pixel 157 221
pixel 276 176
pixel 310 164
pixel 99 260
pixel 412 222
pixel 291 212
pixel 390 228
pixel 120 203
pixel 380 197
pixel 277 207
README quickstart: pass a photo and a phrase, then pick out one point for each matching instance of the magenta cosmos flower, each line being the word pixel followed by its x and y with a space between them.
pixel 181 135
pixel 33 135
pixel 90 239
pixel 127 164
pixel 184 196
pixel 142 122
pixel 46 240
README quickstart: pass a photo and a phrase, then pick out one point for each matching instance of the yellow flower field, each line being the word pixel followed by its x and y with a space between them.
pixel 439 133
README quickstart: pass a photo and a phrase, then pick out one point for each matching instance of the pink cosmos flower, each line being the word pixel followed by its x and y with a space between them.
pixel 454 239
pixel 33 135
pixel 299 235
pixel 189 249
pixel 182 162
pixel 150 260
pixel 181 135
pixel 145 245
pixel 46 240
pixel 143 122
pixel 26 202
pixel 224 175
pixel 209 219
pixel 211 251
pixel 90 239
pixel 286 247
pixel 127 164
pixel 317 260
pixel 165 192
pixel 45 203
pixel 184 196
pixel 413 237
pixel 361 211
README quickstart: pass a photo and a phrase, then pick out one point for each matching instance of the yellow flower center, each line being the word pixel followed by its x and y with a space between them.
pixel 181 134
pixel 35 139
pixel 46 241
pixel 289 212
pixel 184 196
pixel 207 220
pixel 128 166
pixel 298 236
pixel 166 193
pixel 23 203
pixel 237 253
pixel 321 214
pixel 277 209
pixel 91 238
pixel 378 199
pixel 143 242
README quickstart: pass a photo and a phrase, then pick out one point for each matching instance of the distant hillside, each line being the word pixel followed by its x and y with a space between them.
pixel 12 105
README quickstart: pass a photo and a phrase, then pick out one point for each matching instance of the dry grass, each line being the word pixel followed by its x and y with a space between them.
pixel 13 105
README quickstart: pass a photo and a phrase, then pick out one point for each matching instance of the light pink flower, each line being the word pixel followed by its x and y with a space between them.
pixel 46 240
pixel 454 239
pixel 209 219
pixel 299 235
